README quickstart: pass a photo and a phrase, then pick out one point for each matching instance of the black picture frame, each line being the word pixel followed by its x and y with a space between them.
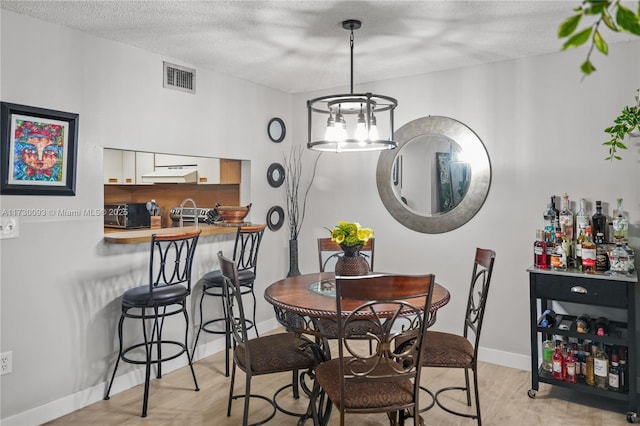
pixel 276 130
pixel 38 150
pixel 276 224
pixel 275 175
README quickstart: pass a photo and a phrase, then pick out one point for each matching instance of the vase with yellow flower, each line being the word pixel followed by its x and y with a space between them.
pixel 351 237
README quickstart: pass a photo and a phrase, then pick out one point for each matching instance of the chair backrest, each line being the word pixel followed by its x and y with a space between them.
pixel 328 252
pixel 232 295
pixel 171 258
pixel 478 291
pixel 395 307
pixel 245 250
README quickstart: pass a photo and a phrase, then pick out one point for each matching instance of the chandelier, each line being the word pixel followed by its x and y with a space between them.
pixel 355 121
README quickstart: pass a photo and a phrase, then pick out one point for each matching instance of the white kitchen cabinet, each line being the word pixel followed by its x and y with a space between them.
pixel 119 167
pixel 144 164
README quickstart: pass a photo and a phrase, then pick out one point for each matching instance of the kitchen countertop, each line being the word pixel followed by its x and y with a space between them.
pixel 117 236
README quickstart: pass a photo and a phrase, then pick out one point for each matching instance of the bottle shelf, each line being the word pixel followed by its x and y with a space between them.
pixel 547 377
pixel 618 331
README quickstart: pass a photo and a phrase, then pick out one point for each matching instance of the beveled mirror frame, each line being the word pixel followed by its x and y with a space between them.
pixel 478 190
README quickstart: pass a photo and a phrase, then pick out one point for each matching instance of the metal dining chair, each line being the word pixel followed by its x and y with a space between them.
pixel 448 350
pixel 245 254
pixel 328 252
pixel 164 295
pixel 387 380
pixel 273 353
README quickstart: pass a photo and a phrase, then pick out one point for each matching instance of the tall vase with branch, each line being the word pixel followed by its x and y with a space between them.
pixel 296 200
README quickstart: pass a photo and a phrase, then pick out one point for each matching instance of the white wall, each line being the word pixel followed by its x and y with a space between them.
pixel 60 283
pixel 543 128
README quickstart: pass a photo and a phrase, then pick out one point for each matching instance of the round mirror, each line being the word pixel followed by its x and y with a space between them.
pixel 276 130
pixel 275 174
pixel 438 177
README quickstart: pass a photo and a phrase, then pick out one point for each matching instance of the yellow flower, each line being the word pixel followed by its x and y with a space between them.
pixel 350 234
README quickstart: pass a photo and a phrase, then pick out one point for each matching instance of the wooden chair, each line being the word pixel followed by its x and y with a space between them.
pixel 164 295
pixel 449 350
pixel 274 353
pixel 388 380
pixel 245 254
pixel 328 252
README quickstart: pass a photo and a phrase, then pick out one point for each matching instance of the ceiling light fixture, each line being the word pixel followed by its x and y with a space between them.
pixel 362 134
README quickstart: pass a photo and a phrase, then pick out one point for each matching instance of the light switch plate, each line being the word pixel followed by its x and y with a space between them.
pixel 9 227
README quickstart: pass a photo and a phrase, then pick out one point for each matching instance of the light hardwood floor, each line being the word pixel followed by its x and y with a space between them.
pixel 503 395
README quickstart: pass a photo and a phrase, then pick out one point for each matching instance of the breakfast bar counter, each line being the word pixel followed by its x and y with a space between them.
pixel 117 236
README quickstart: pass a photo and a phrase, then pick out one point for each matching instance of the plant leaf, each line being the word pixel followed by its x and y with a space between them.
pixel 627 20
pixel 569 26
pixel 601 45
pixel 578 39
pixel 609 22
pixel 587 67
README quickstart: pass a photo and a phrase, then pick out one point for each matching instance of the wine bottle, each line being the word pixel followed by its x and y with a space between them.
pixel 540 251
pixel 566 219
pixel 620 223
pixel 570 367
pixel 602 326
pixel 589 376
pixel 583 322
pixel 547 319
pixel 558 364
pixel 614 374
pixel 601 368
pixel 582 218
pixel 588 253
pixel 599 221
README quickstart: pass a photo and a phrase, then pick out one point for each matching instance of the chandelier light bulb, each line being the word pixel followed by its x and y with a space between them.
pixel 373 129
pixel 330 133
pixel 361 129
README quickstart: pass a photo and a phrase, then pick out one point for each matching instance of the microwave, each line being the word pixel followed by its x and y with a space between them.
pixel 127 216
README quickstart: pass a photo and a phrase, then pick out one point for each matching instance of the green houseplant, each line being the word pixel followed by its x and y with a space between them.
pixel 627 123
pixel 616 18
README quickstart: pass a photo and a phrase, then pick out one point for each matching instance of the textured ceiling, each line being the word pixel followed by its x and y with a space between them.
pixel 298 46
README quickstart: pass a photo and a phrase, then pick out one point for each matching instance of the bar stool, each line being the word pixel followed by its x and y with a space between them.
pixel 169 285
pixel 245 255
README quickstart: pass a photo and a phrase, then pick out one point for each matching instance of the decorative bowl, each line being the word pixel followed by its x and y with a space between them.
pixel 233 214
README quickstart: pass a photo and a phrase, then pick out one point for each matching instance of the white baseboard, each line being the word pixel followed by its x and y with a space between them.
pixel 78 400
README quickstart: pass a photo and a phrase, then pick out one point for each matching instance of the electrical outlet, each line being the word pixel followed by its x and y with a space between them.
pixel 6 362
pixel 8 227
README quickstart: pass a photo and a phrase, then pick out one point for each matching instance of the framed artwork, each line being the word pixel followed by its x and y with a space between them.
pixel 38 151
pixel 445 196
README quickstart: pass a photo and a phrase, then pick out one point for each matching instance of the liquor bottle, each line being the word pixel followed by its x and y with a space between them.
pixel 618 260
pixel 578 249
pixel 566 219
pixel 547 319
pixel 559 256
pixel 602 326
pixel 581 361
pixel 602 256
pixel 548 348
pixel 570 367
pixel 588 253
pixel 582 219
pixel 599 220
pixel 583 323
pixel 632 257
pixel 614 374
pixel 553 206
pixel 540 251
pixel 558 363
pixel 623 371
pixel 601 368
pixel 589 376
pixel 620 223
pixel 549 218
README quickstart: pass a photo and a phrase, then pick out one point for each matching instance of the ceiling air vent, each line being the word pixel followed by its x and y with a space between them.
pixel 179 78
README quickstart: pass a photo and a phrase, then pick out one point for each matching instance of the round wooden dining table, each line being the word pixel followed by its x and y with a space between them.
pixel 313 295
